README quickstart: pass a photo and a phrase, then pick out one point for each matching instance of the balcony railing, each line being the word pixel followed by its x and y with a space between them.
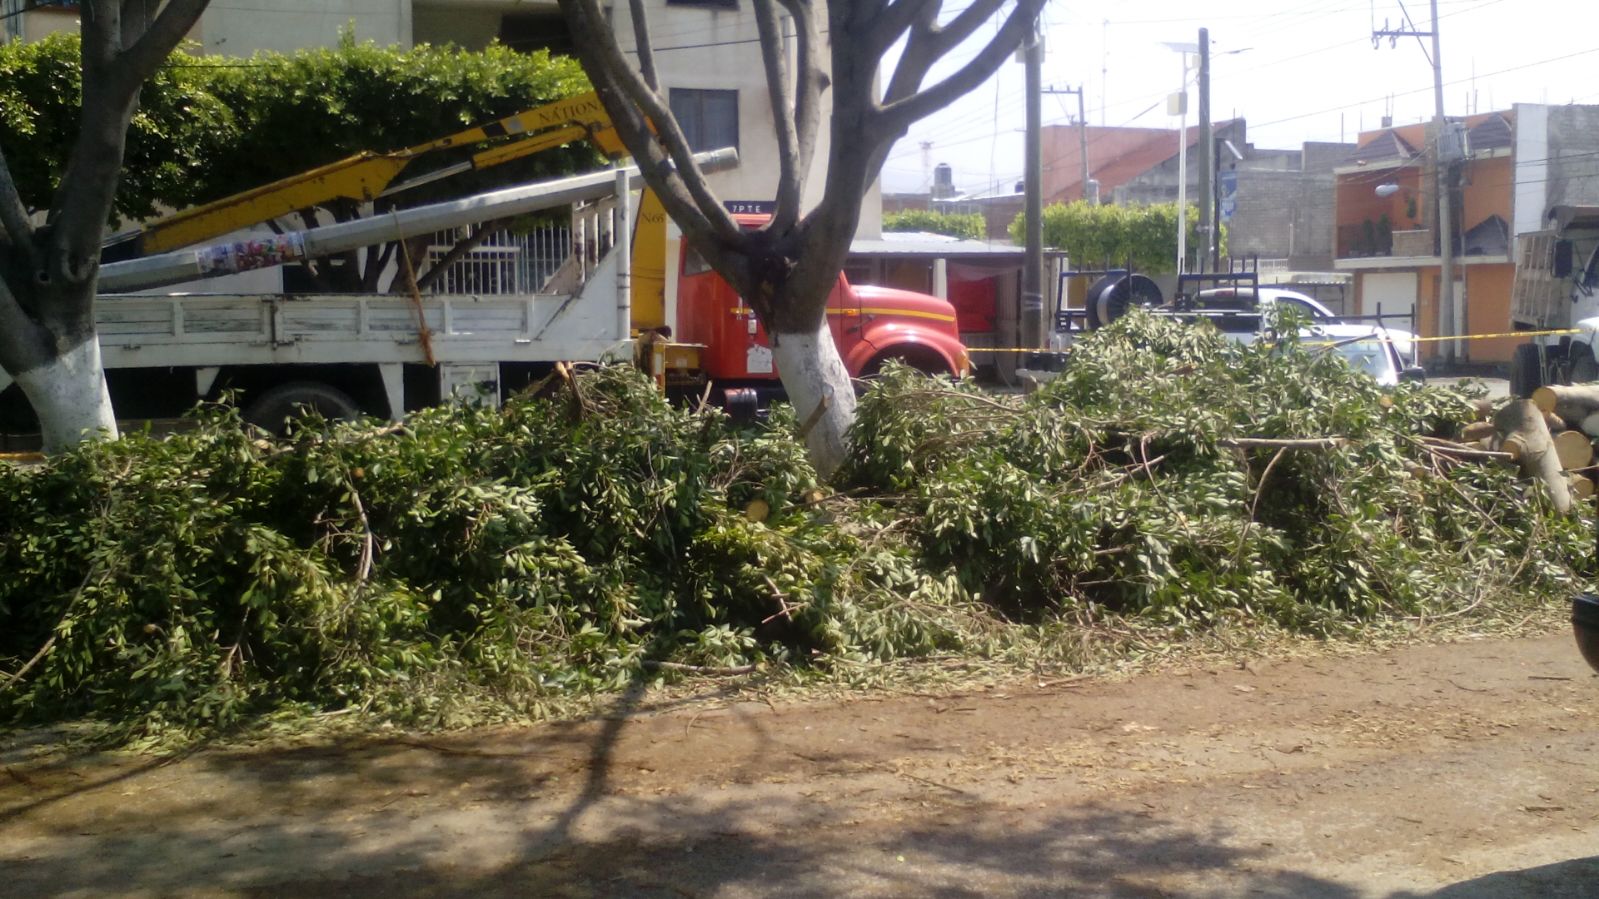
pixel 1363 240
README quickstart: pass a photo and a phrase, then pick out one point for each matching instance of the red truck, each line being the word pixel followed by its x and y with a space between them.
pixel 870 325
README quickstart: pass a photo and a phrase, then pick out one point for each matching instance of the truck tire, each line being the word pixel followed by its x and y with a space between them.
pixel 1526 370
pixel 1110 297
pixel 278 406
pixel 1583 368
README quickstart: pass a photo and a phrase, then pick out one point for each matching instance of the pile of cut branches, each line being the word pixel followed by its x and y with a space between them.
pixel 467 565
pixel 472 565
pixel 1170 472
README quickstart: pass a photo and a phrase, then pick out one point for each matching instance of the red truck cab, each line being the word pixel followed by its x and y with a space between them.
pixel 870 325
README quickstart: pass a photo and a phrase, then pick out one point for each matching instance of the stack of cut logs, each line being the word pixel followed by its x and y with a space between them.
pixel 1550 436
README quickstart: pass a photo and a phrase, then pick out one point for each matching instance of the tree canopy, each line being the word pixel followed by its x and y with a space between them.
pixel 969 226
pixel 1143 236
pixel 210 126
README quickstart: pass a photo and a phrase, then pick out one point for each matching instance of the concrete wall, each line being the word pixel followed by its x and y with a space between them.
pixel 37 24
pixel 1555 163
pixel 473 29
pixel 241 27
pixel 1574 168
pixel 1280 212
pixel 1488 310
pixel 1284 215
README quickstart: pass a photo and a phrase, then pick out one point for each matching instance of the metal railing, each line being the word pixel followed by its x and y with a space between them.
pixel 503 263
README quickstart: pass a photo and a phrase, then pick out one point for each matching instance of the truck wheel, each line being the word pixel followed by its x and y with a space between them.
pixel 1111 296
pixel 1584 370
pixel 276 407
pixel 1526 370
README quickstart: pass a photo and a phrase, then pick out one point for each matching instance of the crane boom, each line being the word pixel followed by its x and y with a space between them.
pixel 227 258
pixel 367 176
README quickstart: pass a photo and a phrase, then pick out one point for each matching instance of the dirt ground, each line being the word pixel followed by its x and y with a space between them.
pixel 1463 770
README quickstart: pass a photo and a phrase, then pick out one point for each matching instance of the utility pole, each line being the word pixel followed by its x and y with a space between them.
pixel 1082 131
pixel 1444 152
pixel 1207 154
pixel 1032 331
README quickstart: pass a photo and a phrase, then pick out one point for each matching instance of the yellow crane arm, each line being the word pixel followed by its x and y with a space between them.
pixel 366 176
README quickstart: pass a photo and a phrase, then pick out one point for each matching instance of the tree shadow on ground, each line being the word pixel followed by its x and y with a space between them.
pixel 1574 879
pixel 550 818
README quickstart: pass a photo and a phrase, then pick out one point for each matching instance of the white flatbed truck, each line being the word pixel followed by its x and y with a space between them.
pixel 348 354
pixel 1556 289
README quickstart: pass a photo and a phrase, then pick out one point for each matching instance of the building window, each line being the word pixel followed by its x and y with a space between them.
pixel 709 118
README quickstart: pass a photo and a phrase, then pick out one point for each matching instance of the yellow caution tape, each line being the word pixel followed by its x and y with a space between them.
pixel 1548 332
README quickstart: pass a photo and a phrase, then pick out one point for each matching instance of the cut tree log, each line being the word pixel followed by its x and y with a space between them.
pixel 1475 431
pixel 1574 448
pixel 1572 402
pixel 1581 486
pixel 1526 436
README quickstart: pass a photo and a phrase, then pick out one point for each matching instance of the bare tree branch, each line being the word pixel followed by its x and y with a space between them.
pixel 646 51
pixel 141 57
pixel 102 30
pixel 811 81
pixel 898 115
pixel 14 225
pixel 929 42
pixel 791 167
pixel 136 16
pixel 22 347
pixel 628 100
pixel 890 22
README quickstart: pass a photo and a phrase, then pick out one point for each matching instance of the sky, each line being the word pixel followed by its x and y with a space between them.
pixel 1295 70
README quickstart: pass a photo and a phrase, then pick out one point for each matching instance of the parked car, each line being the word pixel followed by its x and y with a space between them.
pixel 1241 311
pixel 1367 348
pixel 1267 300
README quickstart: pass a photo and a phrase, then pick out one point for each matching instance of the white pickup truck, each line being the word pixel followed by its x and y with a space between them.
pixel 1246 313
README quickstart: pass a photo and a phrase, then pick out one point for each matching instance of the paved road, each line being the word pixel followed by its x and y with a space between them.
pixel 1461 772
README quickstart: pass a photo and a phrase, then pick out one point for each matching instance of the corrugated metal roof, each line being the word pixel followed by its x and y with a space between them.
pixel 921 243
pixel 1387 145
pixel 1490 134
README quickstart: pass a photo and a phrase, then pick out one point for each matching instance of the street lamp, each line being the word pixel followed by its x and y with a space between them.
pixel 1179 100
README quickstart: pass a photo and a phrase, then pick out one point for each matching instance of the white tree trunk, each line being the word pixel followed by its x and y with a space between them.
pixel 819 387
pixel 69 395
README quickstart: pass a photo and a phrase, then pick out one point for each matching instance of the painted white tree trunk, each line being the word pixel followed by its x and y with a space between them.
pixel 69 395
pixel 819 387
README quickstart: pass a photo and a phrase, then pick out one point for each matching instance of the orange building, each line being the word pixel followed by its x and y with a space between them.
pixel 1387 235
